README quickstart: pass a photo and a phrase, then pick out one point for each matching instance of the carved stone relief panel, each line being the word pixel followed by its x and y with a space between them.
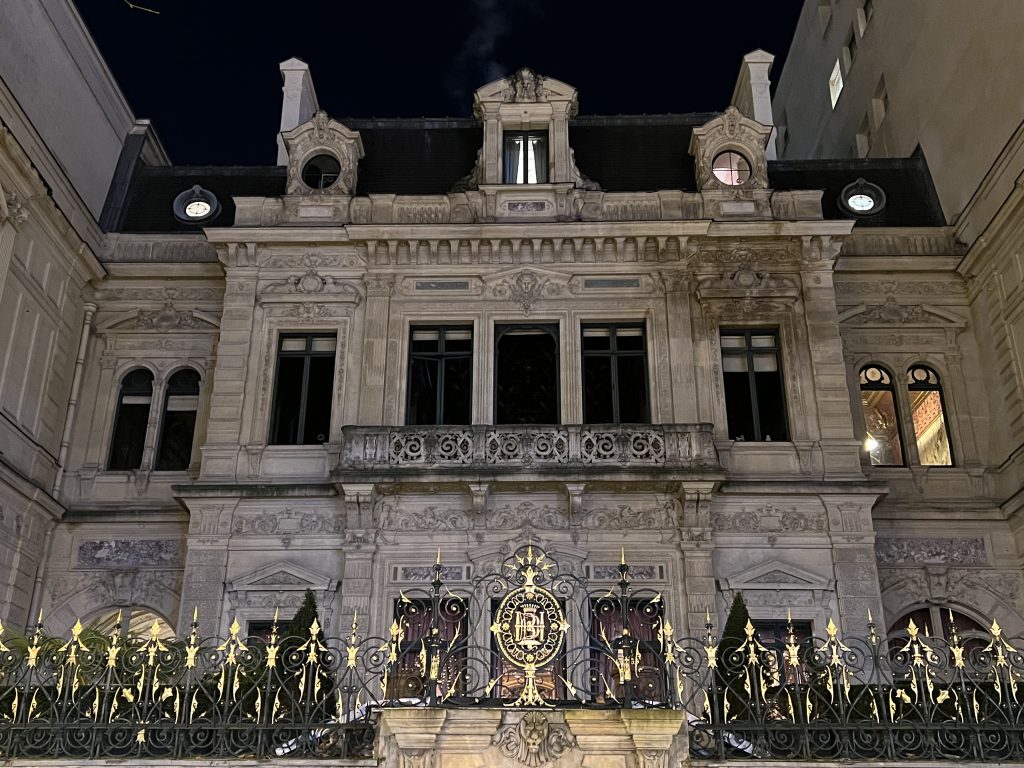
pixel 959 550
pixel 130 553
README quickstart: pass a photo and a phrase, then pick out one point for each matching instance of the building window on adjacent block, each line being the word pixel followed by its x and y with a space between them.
pixel 928 412
pixel 303 389
pixel 835 83
pixel 752 375
pixel 131 420
pixel 864 14
pixel 879 104
pixel 863 139
pixel 181 401
pixel 778 637
pixel 849 51
pixel 824 14
pixel 615 374
pixel 882 440
pixel 526 374
pixel 440 389
pixel 526 157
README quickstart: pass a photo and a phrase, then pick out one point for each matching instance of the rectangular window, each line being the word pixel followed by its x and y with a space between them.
pixel 863 138
pixel 643 621
pixel 850 51
pixel 415 617
pixel 775 636
pixel 303 389
pixel 864 14
pixel 615 374
pixel 526 157
pixel 440 389
pixel 879 104
pixel 835 83
pixel 824 14
pixel 752 375
pixel 526 374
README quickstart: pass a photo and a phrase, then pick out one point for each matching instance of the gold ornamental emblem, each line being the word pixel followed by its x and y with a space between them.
pixel 529 625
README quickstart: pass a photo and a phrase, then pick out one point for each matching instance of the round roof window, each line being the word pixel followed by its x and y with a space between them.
pixel 321 171
pixel 731 168
pixel 196 206
pixel 862 198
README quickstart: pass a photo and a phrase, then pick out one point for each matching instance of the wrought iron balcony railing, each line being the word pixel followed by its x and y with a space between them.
pixel 528 635
pixel 515 446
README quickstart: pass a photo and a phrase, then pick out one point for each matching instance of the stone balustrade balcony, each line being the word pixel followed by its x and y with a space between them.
pixel 525 449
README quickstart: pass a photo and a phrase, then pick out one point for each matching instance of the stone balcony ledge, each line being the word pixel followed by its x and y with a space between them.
pixel 530 448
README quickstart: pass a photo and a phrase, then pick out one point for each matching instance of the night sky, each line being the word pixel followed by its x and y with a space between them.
pixel 206 71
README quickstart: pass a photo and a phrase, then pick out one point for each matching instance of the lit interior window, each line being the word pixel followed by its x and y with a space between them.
pixel 835 83
pixel 731 168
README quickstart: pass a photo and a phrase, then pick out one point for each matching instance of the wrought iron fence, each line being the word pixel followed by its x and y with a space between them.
pixel 530 634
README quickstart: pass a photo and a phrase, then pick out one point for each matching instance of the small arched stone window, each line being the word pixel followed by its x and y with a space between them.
pixel 131 420
pixel 882 440
pixel 178 427
pixel 942 620
pixel 928 413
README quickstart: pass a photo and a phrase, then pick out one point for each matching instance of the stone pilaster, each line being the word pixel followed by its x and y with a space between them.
pixel 227 400
pixel 12 213
pixel 853 556
pixel 375 346
pixel 680 347
pixel 839 445
pixel 204 579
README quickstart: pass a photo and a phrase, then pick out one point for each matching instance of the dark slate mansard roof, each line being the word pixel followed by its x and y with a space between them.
pixel 625 153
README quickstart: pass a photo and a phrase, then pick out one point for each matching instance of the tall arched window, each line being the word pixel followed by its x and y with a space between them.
pixel 131 420
pixel 928 412
pixel 881 421
pixel 179 423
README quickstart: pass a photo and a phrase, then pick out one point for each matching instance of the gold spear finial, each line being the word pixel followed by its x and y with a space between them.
pixel 438 562
pixel 195 614
pixel 622 557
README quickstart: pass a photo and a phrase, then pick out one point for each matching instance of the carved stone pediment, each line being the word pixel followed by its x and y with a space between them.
pixel 312 282
pixel 283 576
pixel 746 281
pixel 777 574
pixel 167 318
pixel 323 135
pixel 891 312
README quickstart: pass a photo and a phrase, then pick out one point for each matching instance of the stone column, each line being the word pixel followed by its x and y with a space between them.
pixel 375 347
pixel 407 737
pixel 227 399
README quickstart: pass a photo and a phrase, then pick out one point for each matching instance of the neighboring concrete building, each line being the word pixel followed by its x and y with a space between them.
pixel 888 78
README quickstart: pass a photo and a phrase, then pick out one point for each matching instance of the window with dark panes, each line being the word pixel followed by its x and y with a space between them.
pixel 131 420
pixel 615 374
pixel 174 452
pixel 440 387
pixel 752 374
pixel 303 389
pixel 643 620
pixel 526 374
pixel 881 419
pixel 777 636
pixel 526 157
pixel 415 617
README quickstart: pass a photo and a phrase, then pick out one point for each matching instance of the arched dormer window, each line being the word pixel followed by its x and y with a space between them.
pixel 178 426
pixel 928 413
pixel 882 439
pixel 131 420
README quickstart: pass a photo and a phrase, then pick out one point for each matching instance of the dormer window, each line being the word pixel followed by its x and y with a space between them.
pixel 526 157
